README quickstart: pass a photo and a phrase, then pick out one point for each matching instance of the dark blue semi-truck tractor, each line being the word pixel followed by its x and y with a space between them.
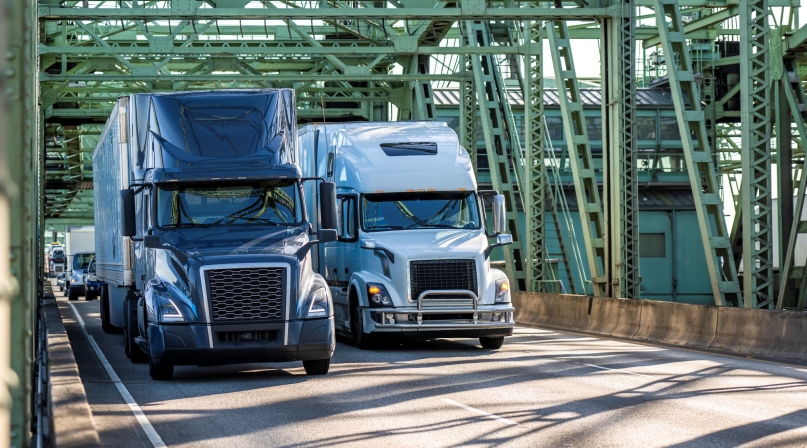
pixel 203 243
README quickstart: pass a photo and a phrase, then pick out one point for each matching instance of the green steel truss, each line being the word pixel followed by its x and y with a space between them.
pixel 620 190
pixel 757 232
pixel 796 101
pixel 501 142
pixel 580 158
pixel 700 165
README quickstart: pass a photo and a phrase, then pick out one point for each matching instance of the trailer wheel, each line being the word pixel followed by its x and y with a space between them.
pixel 106 325
pixel 492 343
pixel 317 366
pixel 360 338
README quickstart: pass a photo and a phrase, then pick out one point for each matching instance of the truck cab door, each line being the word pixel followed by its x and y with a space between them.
pixel 341 260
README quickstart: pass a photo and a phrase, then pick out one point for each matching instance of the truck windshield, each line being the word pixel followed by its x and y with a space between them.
pixel 440 210
pixel 273 202
pixel 81 261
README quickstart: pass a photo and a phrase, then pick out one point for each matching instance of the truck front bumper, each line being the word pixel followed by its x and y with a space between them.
pixel 485 321
pixel 190 344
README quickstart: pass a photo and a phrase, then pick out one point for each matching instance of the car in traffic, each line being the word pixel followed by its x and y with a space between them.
pixel 93 286
pixel 75 284
pixel 60 281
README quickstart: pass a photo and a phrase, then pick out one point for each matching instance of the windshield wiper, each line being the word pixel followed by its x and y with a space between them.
pixel 385 228
pixel 188 224
pixel 432 226
pixel 260 220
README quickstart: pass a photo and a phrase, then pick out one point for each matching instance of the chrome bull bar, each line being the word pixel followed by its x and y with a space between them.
pixel 445 304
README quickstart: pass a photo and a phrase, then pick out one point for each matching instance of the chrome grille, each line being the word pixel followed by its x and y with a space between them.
pixel 246 293
pixel 441 275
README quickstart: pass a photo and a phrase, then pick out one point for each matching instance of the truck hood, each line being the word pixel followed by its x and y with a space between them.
pixel 416 243
pixel 210 242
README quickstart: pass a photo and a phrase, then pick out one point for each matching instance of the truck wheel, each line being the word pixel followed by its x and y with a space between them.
pixel 89 296
pixel 360 338
pixel 130 332
pixel 71 295
pixel 317 366
pixel 104 306
pixel 160 373
pixel 493 343
pixel 61 288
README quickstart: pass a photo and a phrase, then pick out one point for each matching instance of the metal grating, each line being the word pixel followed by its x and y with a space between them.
pixel 180 272
pixel 441 275
pixel 246 294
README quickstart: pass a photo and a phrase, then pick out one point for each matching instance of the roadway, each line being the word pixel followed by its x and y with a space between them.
pixel 543 388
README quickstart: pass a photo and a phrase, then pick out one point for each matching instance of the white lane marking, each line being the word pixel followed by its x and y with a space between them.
pixel 617 370
pixel 554 340
pixel 127 397
pixel 480 412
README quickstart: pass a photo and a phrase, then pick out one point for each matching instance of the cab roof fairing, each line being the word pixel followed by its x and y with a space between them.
pixel 365 166
pixel 184 129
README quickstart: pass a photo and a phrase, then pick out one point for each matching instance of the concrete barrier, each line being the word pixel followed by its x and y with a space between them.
pixel 546 310
pixel 776 334
pixel 69 414
pixel 609 317
pixel 765 333
pixel 677 323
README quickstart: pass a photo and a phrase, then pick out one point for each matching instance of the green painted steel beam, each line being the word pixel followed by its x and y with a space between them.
pixel 695 26
pixel 621 178
pixel 46 78
pixel 273 49
pixel 757 230
pixel 581 160
pixel 700 164
pixel 475 10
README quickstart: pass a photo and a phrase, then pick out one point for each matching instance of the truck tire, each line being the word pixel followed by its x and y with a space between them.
pixel 106 325
pixel 160 372
pixel 493 343
pixel 89 296
pixel 71 294
pixel 317 366
pixel 130 332
pixel 360 338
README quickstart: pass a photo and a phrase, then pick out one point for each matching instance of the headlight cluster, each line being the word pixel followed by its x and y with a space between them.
pixel 503 291
pixel 167 311
pixel 319 303
pixel 378 295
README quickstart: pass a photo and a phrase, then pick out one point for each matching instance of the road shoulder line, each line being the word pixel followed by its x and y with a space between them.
pixel 141 418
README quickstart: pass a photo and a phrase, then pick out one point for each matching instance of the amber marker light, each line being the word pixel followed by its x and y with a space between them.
pixel 374 290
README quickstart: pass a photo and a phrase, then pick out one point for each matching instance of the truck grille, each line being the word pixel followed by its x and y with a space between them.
pixel 246 293
pixel 439 275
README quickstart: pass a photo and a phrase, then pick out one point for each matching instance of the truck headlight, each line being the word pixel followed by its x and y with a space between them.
pixel 167 310
pixel 319 304
pixel 377 295
pixel 503 291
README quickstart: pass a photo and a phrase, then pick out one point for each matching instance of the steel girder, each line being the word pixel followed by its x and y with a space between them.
pixel 581 160
pixel 7 280
pixel 501 144
pixel 756 154
pixel 534 195
pixel 23 214
pixel 621 178
pixel 700 165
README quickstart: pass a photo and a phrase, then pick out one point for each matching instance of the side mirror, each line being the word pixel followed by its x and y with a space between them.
pixel 153 241
pixel 327 205
pixel 127 213
pixel 327 235
pixel 499 216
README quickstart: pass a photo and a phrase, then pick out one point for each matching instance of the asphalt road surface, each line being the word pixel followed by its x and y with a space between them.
pixel 542 388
